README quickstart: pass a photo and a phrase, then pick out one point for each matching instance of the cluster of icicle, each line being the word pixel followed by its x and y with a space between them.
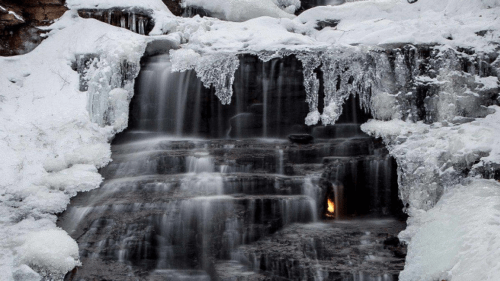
pixel 214 70
pixel 345 72
pixel 110 83
pixel 381 78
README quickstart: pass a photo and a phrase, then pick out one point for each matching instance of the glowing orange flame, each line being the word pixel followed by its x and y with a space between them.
pixel 330 209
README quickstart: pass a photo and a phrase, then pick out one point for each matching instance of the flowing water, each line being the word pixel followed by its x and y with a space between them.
pixel 203 191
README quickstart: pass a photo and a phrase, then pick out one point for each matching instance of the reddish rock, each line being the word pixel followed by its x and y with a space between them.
pixel 174 6
pixel 19 34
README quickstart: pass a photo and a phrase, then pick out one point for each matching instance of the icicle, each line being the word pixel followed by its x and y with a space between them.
pixel 123 22
pixel 311 62
pixel 141 26
pixel 215 70
pixel 133 22
pixel 218 70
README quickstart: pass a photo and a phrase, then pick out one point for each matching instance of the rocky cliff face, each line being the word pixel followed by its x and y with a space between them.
pixel 174 6
pixel 19 20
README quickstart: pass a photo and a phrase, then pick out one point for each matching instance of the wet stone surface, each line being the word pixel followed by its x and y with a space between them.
pixel 335 250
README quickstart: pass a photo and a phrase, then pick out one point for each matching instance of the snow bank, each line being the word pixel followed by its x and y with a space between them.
pixel 50 147
pixel 51 250
pixel 454 23
pixel 242 10
pixel 459 238
pixel 448 22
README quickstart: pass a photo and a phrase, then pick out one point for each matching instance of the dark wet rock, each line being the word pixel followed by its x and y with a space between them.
pixel 301 139
pixel 308 4
pixel 192 11
pixel 160 46
pixel 338 250
pixel 320 25
pixel 174 6
pixel 482 33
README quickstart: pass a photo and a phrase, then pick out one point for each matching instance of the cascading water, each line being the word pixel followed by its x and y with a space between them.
pixel 198 190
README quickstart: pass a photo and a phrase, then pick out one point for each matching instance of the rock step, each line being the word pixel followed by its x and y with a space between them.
pixel 150 141
pixel 182 233
pixel 339 250
pixel 229 158
pixel 179 186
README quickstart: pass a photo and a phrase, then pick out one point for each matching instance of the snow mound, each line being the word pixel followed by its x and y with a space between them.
pixel 53 250
pixel 447 22
pixel 458 239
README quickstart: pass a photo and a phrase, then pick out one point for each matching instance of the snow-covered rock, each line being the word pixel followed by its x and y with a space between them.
pixel 242 10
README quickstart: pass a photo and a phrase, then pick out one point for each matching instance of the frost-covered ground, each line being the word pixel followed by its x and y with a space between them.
pixel 53 137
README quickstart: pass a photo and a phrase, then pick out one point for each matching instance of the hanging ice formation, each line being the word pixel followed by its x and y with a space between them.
pixel 382 78
pixel 311 62
pixel 109 83
pixel 215 70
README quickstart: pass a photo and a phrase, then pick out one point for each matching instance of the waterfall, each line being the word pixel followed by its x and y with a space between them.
pixel 200 190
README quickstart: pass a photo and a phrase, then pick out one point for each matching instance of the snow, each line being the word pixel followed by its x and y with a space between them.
pixel 50 147
pixel 243 10
pixel 53 250
pixel 454 218
pixel 379 22
pixel 458 239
